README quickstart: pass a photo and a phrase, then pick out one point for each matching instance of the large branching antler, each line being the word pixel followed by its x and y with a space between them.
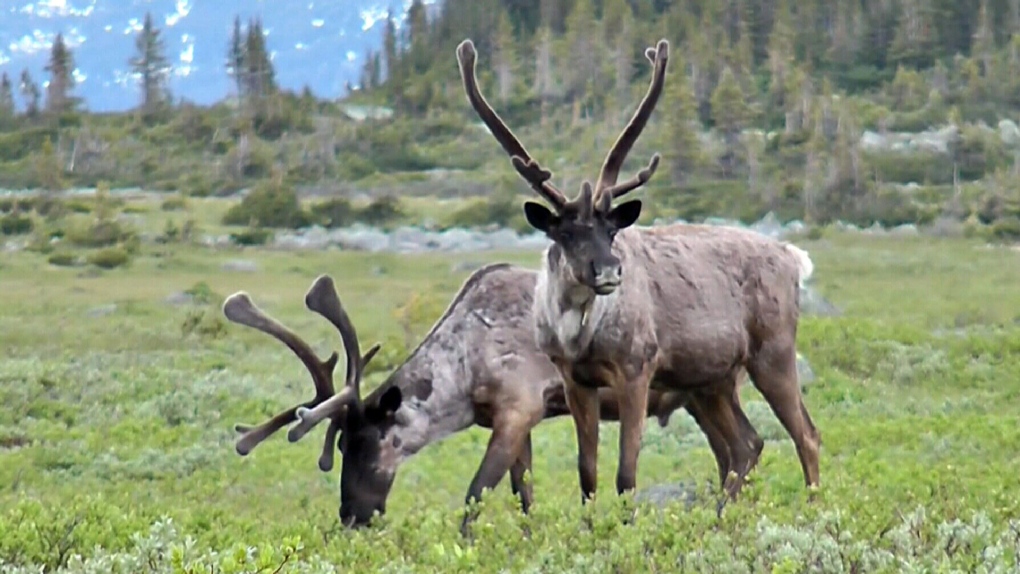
pixel 606 185
pixel 322 299
pixel 239 308
pixel 528 168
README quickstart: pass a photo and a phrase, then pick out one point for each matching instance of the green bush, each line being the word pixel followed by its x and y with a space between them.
pixel 334 212
pixel 381 211
pixel 14 224
pixel 269 204
pixel 97 233
pixel 109 258
pixel 175 203
pixel 502 209
pixel 252 236
pixel 62 259
pixel 1006 229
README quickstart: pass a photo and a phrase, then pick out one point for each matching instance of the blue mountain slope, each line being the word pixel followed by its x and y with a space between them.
pixel 321 43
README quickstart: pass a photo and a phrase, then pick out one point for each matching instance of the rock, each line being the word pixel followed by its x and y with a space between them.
pixel 1009 133
pixel 663 494
pixel 769 225
pixel 102 310
pixel 905 230
pixel 813 303
pixel 240 265
pixel 363 239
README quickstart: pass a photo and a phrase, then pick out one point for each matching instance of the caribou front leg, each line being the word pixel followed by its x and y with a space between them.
pixel 583 402
pixel 633 397
pixel 509 431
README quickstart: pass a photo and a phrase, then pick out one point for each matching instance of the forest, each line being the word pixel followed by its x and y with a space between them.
pixel 888 111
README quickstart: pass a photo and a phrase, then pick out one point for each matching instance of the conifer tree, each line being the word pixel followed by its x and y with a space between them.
pixel 684 150
pixel 29 93
pixel 151 66
pixel 729 112
pixel 504 59
pixel 235 59
pixel 61 69
pixel 6 97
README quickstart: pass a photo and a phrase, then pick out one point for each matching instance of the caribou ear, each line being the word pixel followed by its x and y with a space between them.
pixel 538 216
pixel 625 214
pixel 390 400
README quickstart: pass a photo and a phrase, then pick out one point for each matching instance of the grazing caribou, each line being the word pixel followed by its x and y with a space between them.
pixel 672 308
pixel 479 365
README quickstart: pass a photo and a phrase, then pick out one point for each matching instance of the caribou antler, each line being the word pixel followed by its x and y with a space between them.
pixel 607 185
pixel 322 299
pixel 239 308
pixel 529 169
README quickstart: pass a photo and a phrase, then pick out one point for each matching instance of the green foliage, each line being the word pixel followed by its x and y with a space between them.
pixel 118 444
pixel 381 211
pixel 15 224
pixel 175 203
pixel 62 259
pixel 95 233
pixel 109 257
pixel 334 212
pixel 252 235
pixel 502 209
pixel 269 204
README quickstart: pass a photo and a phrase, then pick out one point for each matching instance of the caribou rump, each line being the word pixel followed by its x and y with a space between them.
pixel 671 308
pixel 479 365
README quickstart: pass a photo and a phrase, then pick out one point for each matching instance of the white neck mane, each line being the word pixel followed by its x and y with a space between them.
pixel 567 313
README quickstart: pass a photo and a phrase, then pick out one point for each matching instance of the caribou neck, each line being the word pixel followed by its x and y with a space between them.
pixel 436 401
pixel 567 312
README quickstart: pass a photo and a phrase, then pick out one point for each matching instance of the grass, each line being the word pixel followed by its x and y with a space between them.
pixel 116 441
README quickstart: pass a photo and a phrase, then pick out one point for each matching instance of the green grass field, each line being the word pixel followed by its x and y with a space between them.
pixel 116 431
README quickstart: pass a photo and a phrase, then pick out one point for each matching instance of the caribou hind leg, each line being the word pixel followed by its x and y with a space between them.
pixel 774 373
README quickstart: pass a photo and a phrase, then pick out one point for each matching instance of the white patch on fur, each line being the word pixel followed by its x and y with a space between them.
pixel 567 331
pixel 805 266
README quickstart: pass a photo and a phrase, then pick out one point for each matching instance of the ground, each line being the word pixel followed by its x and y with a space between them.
pixel 116 440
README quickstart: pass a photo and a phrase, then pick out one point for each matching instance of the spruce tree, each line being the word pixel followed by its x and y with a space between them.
pixel 61 69
pixel 29 93
pixel 6 97
pixel 235 59
pixel 151 66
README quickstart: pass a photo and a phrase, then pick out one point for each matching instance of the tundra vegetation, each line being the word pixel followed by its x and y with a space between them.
pixel 121 380
pixel 121 388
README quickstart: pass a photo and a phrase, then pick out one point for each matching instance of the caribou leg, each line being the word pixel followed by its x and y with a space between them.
pixel 774 373
pixel 633 404
pixel 510 428
pixel 518 484
pixel 583 402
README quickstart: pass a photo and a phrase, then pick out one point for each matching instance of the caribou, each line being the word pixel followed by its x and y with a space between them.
pixel 670 308
pixel 478 365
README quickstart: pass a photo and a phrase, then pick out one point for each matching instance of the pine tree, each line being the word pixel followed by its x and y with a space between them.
pixel 235 59
pixel 258 67
pixel 151 65
pixel 29 93
pixel 6 97
pixel 729 112
pixel 684 150
pixel 504 59
pixel 61 68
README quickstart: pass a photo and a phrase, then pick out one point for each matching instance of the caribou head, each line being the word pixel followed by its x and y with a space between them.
pixel 582 228
pixel 371 451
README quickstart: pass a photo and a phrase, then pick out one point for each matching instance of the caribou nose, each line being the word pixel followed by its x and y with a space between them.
pixel 607 278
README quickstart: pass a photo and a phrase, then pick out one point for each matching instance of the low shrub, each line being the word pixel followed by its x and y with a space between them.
pixel 62 259
pixel 109 258
pixel 334 212
pixel 15 224
pixel 269 204
pixel 252 236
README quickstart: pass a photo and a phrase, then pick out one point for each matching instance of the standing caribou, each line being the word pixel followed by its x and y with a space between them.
pixel 479 365
pixel 673 308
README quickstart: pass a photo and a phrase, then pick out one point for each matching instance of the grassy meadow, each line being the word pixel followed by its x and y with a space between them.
pixel 116 431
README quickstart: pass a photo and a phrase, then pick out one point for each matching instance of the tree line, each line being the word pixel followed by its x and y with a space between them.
pixel 247 64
